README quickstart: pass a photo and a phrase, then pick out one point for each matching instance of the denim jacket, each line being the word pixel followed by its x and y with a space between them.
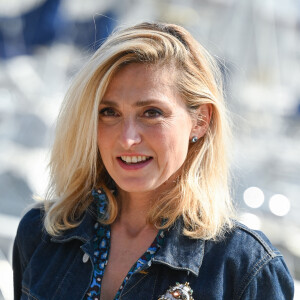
pixel 243 265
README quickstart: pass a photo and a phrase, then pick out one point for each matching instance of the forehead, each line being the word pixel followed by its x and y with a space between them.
pixel 155 74
pixel 142 82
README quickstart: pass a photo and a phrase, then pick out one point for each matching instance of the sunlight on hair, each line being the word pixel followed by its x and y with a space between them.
pixel 279 205
pixel 254 197
pixel 75 167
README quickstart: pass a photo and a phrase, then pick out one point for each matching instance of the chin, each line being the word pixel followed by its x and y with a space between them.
pixel 136 189
pixel 137 185
pixel 142 186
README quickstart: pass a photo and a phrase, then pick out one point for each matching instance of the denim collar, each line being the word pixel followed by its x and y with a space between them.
pixel 84 231
pixel 178 251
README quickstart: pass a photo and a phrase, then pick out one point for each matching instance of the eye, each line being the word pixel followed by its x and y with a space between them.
pixel 153 113
pixel 108 112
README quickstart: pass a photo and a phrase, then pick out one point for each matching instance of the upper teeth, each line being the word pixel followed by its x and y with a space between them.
pixel 133 159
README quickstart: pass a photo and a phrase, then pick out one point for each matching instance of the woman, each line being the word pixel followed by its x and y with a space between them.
pixel 139 177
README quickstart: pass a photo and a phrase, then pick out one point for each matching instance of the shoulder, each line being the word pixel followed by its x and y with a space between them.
pixel 245 247
pixel 32 221
pixel 251 261
pixel 242 238
pixel 30 230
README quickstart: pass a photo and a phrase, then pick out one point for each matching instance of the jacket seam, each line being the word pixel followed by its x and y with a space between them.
pixel 255 270
pixel 195 270
pixel 71 238
pixel 133 286
pixel 174 267
pixel 27 292
pixel 259 238
pixel 63 279
pixel 154 285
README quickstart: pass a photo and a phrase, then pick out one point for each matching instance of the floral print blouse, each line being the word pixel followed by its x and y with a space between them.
pixel 101 243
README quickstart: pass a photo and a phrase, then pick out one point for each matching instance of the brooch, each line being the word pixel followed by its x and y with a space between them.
pixel 179 291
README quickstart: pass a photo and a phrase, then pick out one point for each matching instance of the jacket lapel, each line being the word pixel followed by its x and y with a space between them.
pixel 181 252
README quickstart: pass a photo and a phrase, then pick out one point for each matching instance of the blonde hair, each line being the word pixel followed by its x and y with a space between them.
pixel 201 196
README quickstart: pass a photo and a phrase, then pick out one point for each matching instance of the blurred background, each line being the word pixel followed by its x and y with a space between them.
pixel 43 43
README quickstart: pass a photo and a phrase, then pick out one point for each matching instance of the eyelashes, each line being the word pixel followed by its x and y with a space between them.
pixel 151 113
pixel 108 112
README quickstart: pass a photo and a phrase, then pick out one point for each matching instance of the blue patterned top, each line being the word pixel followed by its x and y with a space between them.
pixel 101 243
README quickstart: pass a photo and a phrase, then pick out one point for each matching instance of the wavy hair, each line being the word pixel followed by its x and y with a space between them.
pixel 201 196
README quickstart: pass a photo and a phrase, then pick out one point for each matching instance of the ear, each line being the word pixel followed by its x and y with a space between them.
pixel 201 121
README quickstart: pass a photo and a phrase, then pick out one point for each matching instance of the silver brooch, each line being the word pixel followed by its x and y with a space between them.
pixel 179 291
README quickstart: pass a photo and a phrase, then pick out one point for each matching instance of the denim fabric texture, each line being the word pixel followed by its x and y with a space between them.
pixel 244 265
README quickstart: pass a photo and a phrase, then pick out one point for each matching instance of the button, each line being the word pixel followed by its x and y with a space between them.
pixel 85 257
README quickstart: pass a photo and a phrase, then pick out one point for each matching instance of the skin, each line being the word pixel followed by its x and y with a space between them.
pixel 141 114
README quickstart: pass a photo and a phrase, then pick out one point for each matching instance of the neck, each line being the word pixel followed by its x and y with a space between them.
pixel 133 213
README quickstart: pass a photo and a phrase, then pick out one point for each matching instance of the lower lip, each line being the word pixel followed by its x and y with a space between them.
pixel 135 166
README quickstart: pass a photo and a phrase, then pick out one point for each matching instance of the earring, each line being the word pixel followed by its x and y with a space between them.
pixel 194 139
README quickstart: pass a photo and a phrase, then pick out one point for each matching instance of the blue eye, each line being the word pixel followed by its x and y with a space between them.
pixel 153 113
pixel 108 112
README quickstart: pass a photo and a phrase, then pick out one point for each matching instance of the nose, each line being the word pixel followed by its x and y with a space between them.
pixel 129 135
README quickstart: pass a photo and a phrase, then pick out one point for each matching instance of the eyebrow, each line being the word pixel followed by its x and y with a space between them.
pixel 139 103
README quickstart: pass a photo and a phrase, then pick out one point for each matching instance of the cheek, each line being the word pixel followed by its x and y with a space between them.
pixel 172 147
pixel 180 149
pixel 103 142
pixel 99 140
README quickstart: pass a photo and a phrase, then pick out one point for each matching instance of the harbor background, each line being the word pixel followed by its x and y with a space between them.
pixel 43 43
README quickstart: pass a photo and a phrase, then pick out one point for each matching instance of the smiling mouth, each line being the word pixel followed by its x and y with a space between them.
pixel 130 160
